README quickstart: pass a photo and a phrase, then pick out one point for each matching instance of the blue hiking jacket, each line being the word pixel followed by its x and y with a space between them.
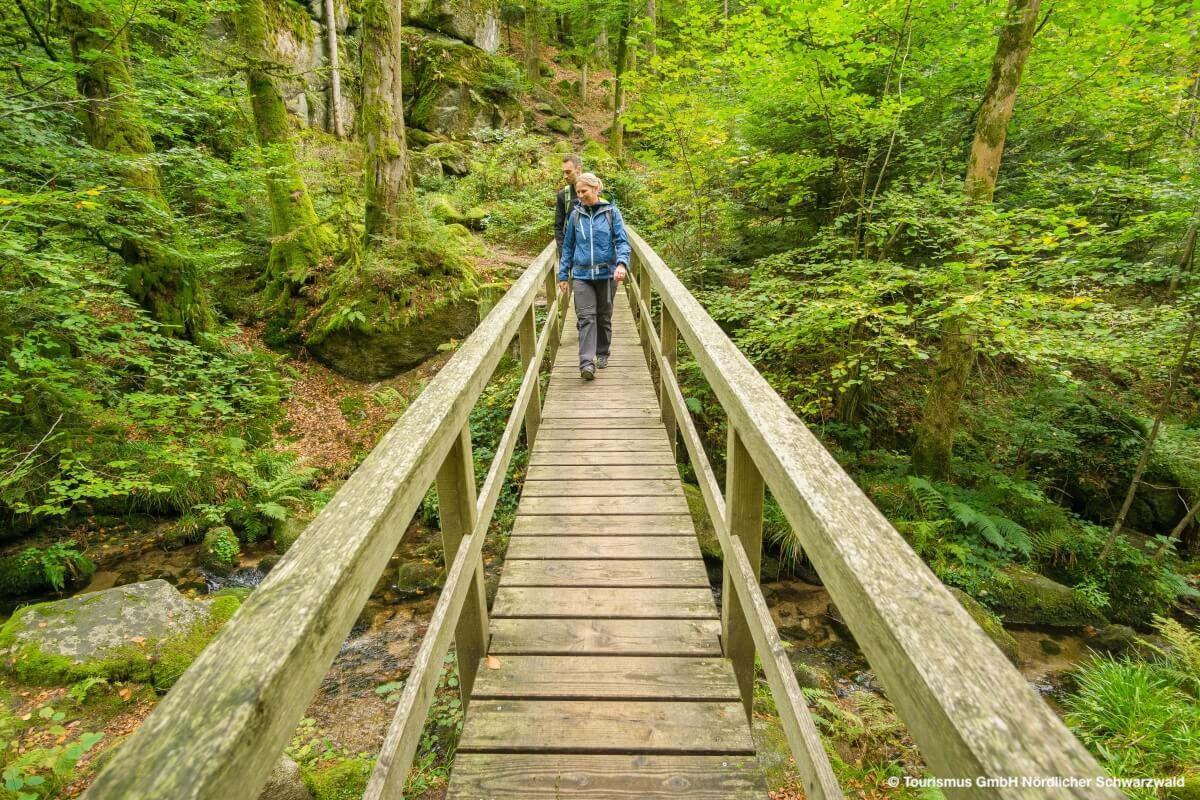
pixel 594 243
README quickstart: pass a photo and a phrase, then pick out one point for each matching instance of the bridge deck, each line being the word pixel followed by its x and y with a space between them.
pixel 607 679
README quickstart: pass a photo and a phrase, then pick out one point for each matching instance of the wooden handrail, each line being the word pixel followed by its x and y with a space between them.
pixel 219 732
pixel 970 712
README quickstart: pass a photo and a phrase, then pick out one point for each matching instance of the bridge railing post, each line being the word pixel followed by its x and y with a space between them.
pixel 527 333
pixel 669 344
pixel 457 510
pixel 744 494
pixel 645 287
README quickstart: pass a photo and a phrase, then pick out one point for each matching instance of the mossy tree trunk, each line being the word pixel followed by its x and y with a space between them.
pixel 161 278
pixel 533 58
pixel 991 128
pixel 616 139
pixel 935 433
pixel 335 73
pixel 299 241
pixel 389 183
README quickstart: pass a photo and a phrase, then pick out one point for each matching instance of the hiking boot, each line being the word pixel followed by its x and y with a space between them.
pixel 588 373
pixel 601 362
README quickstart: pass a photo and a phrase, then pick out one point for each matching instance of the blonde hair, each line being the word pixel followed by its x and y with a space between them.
pixel 590 179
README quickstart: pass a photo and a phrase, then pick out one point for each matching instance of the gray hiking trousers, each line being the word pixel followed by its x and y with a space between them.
pixel 593 313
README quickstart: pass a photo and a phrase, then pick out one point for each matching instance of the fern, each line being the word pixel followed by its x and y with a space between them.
pixel 929 500
pixel 1180 659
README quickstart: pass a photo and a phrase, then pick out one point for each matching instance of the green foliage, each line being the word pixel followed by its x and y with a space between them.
pixel 37 569
pixel 1142 717
pixel 220 549
pixel 41 771
pixel 435 754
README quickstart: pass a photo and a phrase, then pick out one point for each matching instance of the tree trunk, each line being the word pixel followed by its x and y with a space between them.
pixel 935 436
pixel 616 139
pixel 389 185
pixel 935 433
pixel 299 242
pixel 335 75
pixel 652 16
pixel 583 79
pixel 991 128
pixel 159 277
pixel 533 61
pixel 1148 447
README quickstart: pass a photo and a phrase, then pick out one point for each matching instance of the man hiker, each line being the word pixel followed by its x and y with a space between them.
pixel 564 201
pixel 595 250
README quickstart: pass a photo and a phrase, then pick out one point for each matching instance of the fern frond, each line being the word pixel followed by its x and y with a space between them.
pixel 929 500
pixel 1015 535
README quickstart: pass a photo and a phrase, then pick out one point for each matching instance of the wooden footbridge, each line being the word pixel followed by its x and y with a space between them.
pixel 603 668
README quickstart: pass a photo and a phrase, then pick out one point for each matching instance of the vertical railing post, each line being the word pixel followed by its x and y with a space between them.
pixel 528 336
pixel 743 516
pixel 669 343
pixel 456 508
pixel 551 294
pixel 644 287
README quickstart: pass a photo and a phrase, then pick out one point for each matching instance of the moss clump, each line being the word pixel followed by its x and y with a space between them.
pixel 343 780
pixel 177 654
pixel 597 159
pixel 560 125
pixel 30 665
pixel 706 534
pixel 220 549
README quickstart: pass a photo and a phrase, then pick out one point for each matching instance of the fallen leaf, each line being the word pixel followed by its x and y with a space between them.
pixel 125 694
pixel 138 639
pixel 493 662
pixel 43 624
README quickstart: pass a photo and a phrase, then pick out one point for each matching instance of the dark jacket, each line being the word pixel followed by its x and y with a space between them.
pixel 563 202
pixel 594 243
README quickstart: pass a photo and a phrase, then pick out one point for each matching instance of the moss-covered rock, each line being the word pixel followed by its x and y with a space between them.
pixel 1115 639
pixel 476 22
pixel 286 783
pixel 456 89
pixel 284 533
pixel 220 549
pixel 454 157
pixel 426 169
pixel 178 652
pixel 597 159
pixel 1022 597
pixel 774 753
pixel 117 634
pixel 419 575
pixel 710 546
pixel 560 125
pixel 989 622
pixel 342 780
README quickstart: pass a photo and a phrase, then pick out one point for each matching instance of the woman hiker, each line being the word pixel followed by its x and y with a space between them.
pixel 595 250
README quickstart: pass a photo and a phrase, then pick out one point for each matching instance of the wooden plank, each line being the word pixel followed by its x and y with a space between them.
pixel 520 776
pixel 581 572
pixel 600 459
pixel 615 678
pixel 616 504
pixel 626 472
pixel 641 487
pixel 619 547
pixel 576 422
pixel 604 603
pixel 217 735
pixel 590 525
pixel 605 726
pixel 951 684
pixel 606 637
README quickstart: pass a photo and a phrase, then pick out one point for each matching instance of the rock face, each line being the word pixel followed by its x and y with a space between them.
pixel 382 354
pixel 476 22
pixel 285 783
pixel 455 89
pixel 1026 598
pixel 111 632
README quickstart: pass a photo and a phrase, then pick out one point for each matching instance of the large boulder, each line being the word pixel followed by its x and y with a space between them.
pixel 286 783
pixel 118 633
pixel 455 89
pixel 1022 597
pixel 475 22
pixel 378 354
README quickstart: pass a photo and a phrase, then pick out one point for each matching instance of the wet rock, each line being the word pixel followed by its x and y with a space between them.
pixel 1025 598
pixel 115 633
pixel 1115 639
pixel 285 783
pixel 417 576
pixel 989 622
pixel 1050 647
pixel 268 562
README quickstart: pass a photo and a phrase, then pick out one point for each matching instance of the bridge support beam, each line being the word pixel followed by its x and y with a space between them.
pixel 528 336
pixel 456 509
pixel 744 494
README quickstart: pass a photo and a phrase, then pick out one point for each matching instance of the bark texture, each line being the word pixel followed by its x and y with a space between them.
pixel 533 59
pixel 935 436
pixel 991 128
pixel 616 142
pixel 335 74
pixel 299 241
pixel 389 184
pixel 159 276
